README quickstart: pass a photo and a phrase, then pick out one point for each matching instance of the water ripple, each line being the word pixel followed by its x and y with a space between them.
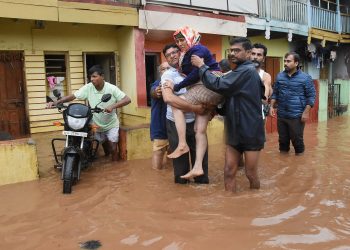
pixel 278 218
pixel 324 235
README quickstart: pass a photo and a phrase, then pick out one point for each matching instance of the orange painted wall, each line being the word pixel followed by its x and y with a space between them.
pixel 151 46
pixel 214 44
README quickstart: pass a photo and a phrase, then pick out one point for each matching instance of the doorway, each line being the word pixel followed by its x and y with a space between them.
pixel 273 67
pixel 152 62
pixel 106 61
pixel 13 118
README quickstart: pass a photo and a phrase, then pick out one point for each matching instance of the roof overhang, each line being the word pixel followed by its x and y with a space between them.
pixel 170 21
pixel 69 11
pixel 328 36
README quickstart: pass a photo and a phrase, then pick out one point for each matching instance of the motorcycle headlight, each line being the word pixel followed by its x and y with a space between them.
pixel 76 123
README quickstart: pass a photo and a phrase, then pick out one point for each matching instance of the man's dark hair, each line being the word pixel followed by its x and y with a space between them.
pixel 246 43
pixel 168 46
pixel 260 46
pixel 224 65
pixel 95 69
pixel 295 55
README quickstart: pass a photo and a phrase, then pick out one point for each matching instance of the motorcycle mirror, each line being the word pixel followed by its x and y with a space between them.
pixel 106 97
pixel 56 93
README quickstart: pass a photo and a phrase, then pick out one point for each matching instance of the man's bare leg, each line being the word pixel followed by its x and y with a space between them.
pixel 158 159
pixel 201 146
pixel 113 148
pixel 110 148
pixel 106 148
pixel 180 123
pixel 251 168
pixel 230 170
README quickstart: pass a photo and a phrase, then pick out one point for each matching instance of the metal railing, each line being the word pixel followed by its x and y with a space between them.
pixel 262 8
pixel 293 11
pixel 323 19
pixel 289 11
pixel 335 108
pixel 345 21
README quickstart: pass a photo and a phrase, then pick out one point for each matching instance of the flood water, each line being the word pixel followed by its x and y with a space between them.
pixel 303 203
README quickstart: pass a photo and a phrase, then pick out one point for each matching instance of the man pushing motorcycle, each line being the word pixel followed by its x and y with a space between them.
pixel 107 122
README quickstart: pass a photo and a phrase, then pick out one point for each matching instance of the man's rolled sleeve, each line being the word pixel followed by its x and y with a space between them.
pixel 82 93
pixel 118 94
pixel 166 77
pixel 202 70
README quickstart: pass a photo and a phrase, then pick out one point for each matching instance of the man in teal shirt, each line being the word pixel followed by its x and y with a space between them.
pixel 107 122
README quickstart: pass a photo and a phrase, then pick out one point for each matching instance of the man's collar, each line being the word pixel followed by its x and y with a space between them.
pixel 295 73
pixel 174 66
pixel 99 91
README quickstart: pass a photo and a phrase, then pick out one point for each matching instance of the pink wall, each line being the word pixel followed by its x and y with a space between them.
pixel 140 67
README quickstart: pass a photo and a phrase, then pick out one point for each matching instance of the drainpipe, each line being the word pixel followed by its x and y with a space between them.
pixel 339 26
pixel 268 10
pixel 330 72
pixel 309 20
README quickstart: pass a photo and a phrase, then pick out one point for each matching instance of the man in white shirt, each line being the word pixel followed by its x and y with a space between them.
pixel 181 164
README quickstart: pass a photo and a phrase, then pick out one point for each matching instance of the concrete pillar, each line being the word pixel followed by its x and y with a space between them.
pixel 323 101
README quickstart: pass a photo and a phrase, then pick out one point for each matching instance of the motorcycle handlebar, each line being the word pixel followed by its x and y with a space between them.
pixel 59 106
pixel 97 110
pixel 63 106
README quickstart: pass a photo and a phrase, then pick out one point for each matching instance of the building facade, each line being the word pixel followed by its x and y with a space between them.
pixel 50 44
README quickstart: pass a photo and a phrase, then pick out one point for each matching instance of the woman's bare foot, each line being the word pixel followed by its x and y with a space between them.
pixel 193 173
pixel 180 150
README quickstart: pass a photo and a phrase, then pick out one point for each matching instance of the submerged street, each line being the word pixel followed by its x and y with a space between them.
pixel 303 202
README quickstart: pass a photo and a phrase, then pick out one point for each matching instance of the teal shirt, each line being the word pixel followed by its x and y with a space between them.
pixel 105 121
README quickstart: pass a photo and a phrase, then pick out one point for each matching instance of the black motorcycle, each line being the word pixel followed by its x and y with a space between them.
pixel 80 148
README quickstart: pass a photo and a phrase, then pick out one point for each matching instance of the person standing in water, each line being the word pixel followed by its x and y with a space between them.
pixel 244 127
pixel 158 122
pixel 294 94
pixel 182 163
pixel 187 40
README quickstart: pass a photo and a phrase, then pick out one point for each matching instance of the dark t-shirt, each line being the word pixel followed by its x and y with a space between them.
pixel 158 116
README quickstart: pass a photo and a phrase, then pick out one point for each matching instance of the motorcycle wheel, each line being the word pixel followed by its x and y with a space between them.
pixel 68 178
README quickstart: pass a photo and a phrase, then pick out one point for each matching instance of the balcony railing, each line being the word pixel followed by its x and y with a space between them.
pixel 292 11
pixel 345 20
pixel 323 19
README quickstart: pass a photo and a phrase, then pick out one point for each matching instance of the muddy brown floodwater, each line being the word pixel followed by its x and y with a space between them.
pixel 303 203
